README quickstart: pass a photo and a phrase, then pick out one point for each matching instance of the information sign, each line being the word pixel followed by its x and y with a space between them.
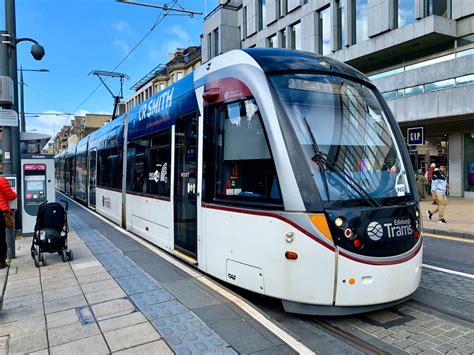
pixel 8 118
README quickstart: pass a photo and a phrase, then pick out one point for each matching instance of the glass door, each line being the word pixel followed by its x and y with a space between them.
pixel 185 185
pixel 92 176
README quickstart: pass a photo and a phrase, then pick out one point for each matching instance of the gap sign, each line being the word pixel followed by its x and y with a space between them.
pixel 415 136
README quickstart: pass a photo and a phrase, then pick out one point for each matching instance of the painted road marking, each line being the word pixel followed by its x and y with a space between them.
pixel 448 271
pixel 440 236
pixel 236 299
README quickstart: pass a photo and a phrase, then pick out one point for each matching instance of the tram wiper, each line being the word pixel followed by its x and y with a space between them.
pixel 320 157
pixel 316 157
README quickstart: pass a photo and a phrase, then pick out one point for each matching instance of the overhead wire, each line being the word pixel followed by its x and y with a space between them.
pixel 159 19
pixel 44 97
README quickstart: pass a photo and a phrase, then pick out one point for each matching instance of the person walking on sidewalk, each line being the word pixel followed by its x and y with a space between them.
pixel 421 184
pixel 6 194
pixel 429 177
pixel 440 188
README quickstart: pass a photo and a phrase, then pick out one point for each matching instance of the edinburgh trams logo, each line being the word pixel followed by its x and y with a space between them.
pixel 106 202
pixel 160 175
pixel 375 231
pixel 155 105
pixel 400 227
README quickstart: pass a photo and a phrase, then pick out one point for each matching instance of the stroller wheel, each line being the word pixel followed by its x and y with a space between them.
pixel 36 259
pixel 64 255
pixel 43 260
pixel 70 255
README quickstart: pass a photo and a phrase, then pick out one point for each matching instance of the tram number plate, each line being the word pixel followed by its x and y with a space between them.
pixel 400 188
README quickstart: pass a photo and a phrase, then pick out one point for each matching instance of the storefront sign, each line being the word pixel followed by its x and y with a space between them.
pixel 415 136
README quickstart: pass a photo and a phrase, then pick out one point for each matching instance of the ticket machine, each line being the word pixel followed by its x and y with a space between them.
pixel 37 174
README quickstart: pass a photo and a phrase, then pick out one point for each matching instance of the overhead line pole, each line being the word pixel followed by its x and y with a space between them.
pixel 162 7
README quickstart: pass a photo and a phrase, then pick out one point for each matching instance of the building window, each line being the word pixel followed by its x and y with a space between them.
pixel 341 19
pixel 244 23
pixel 438 7
pixel 361 21
pixel 180 75
pixel 209 42
pixel 272 41
pixel 261 13
pixel 406 12
pixel 295 31
pixel 216 42
pixel 283 7
pixel 325 30
pixel 283 38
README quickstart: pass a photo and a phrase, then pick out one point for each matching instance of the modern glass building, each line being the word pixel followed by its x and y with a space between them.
pixel 419 53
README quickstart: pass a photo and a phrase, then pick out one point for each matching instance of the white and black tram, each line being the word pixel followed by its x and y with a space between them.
pixel 278 171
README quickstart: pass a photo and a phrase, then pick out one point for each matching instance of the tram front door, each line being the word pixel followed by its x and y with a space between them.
pixel 185 185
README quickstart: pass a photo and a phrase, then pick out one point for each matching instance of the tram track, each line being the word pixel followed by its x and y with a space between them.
pixel 450 313
pixel 347 337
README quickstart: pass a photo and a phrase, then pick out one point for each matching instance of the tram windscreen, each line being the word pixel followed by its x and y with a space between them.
pixel 345 136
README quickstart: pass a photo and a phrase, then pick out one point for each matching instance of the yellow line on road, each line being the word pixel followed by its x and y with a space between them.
pixel 465 240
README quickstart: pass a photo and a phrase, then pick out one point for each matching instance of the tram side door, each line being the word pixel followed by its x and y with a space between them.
pixel 92 176
pixel 185 185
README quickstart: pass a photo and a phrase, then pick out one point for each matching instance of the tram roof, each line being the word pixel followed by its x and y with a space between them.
pixel 273 60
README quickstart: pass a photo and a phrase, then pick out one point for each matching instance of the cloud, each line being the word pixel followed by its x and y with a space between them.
pixel 180 32
pixel 81 112
pixel 178 38
pixel 49 122
pixel 121 26
pixel 122 45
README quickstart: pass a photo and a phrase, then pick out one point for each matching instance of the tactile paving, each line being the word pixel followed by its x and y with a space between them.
pixel 163 309
pixel 124 271
pixel 138 283
pixel 199 341
pixel 178 324
pixel 151 297
pixel 181 328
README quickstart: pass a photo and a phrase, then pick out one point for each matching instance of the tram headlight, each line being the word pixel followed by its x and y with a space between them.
pixel 339 222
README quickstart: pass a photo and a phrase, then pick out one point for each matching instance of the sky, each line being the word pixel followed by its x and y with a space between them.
pixel 84 35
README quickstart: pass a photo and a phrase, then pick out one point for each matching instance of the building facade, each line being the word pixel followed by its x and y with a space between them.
pixel 419 53
pixel 180 64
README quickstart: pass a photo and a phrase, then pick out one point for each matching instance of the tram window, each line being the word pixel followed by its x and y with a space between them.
pixel 148 160
pixel 159 158
pixel 109 168
pixel 245 171
pixel 136 171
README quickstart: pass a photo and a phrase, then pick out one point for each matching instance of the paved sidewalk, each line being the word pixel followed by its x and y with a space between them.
pixel 73 308
pixel 459 214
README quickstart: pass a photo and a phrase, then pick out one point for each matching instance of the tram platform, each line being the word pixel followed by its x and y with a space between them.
pixel 459 214
pixel 118 296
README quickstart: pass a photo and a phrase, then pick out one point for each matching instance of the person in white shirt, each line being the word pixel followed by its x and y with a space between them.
pixel 439 186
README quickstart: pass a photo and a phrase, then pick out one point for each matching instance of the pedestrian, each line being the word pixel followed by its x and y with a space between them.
pixel 440 186
pixel 433 186
pixel 6 194
pixel 421 183
pixel 429 178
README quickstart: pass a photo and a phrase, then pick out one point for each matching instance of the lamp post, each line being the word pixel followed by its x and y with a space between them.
pixel 11 135
pixel 22 95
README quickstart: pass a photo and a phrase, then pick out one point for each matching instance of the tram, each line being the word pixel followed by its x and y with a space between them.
pixel 278 171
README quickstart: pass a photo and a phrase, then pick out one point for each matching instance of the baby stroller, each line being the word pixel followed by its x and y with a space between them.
pixel 50 234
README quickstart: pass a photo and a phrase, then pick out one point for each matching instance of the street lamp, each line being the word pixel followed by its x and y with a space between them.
pixel 22 94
